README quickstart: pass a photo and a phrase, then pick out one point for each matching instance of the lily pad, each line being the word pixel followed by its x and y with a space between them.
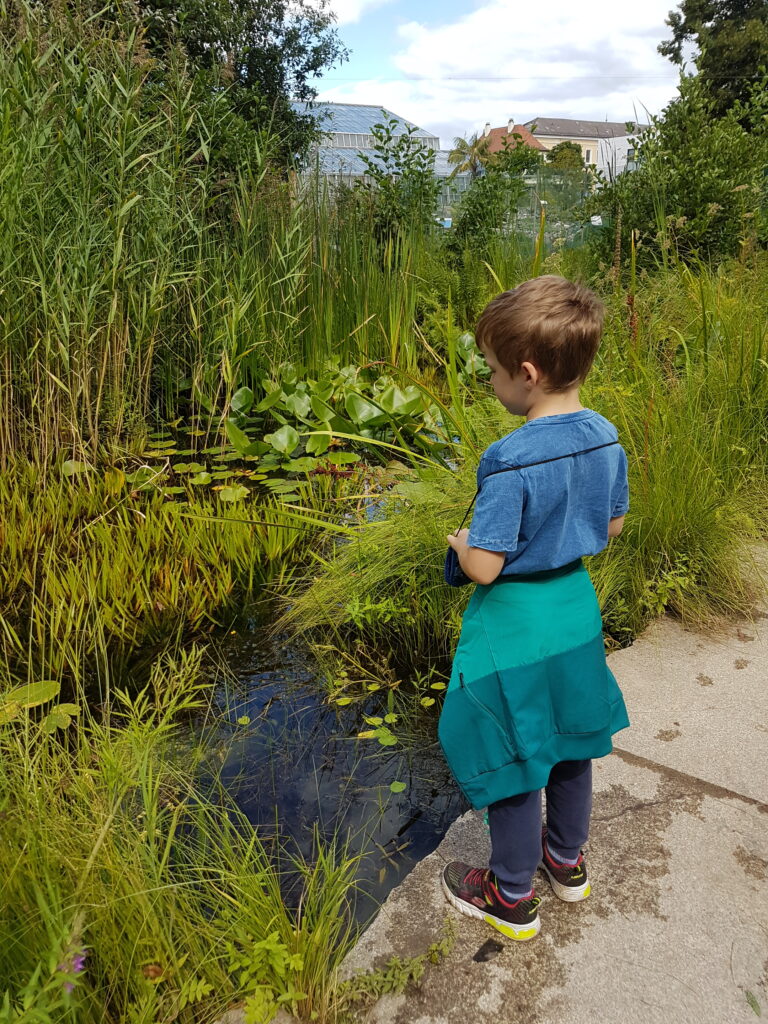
pixel 72 467
pixel 236 492
pixel 285 440
pixel 31 695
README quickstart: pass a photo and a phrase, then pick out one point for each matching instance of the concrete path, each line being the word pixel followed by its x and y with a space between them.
pixel 676 928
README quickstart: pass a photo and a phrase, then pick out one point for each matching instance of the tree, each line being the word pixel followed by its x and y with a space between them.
pixel 267 51
pixel 731 38
pixel 489 206
pixel 469 155
pixel 700 183
pixel 566 157
pixel 400 180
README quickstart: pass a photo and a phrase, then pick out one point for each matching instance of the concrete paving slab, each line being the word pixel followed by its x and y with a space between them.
pixel 700 703
pixel 676 929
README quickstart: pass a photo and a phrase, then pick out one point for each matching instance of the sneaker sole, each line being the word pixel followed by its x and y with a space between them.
pixel 567 893
pixel 518 932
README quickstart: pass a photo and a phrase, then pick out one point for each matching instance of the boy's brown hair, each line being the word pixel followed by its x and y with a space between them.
pixel 548 321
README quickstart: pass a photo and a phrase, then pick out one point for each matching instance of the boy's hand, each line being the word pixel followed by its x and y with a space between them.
pixel 459 541
pixel 480 565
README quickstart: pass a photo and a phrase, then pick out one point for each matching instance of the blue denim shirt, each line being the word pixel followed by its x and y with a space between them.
pixel 546 516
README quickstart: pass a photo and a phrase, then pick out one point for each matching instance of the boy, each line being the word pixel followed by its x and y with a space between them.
pixel 531 700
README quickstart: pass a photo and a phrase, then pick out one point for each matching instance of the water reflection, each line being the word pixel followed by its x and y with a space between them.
pixel 299 763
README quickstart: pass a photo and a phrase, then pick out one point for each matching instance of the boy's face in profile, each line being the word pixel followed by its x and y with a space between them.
pixel 514 393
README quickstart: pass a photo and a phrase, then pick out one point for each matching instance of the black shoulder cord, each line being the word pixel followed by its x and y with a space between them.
pixel 528 465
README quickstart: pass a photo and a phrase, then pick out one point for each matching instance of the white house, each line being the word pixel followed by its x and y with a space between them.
pixel 603 143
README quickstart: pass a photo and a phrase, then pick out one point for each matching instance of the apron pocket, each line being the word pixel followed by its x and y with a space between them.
pixel 474 738
pixel 579 689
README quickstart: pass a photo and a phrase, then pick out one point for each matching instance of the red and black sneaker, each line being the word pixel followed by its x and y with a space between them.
pixel 475 892
pixel 568 881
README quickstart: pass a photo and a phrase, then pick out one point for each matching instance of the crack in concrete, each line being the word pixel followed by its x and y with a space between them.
pixel 641 806
pixel 696 784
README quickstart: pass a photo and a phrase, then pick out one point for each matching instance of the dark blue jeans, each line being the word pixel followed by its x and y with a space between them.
pixel 515 824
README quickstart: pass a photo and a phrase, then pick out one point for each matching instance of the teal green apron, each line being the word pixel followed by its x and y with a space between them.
pixel 530 685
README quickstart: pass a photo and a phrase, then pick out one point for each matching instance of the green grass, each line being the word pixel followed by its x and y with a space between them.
pixel 110 847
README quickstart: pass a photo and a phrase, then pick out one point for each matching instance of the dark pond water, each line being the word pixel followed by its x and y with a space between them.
pixel 299 763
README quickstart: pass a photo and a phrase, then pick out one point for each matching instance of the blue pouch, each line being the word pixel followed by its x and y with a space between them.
pixel 452 571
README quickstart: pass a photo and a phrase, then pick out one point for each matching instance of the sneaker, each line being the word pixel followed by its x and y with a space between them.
pixel 568 881
pixel 475 892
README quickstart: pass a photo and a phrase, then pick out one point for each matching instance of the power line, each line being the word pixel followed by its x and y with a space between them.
pixel 514 78
pixel 540 78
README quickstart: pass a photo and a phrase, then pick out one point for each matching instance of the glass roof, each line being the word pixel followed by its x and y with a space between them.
pixel 355 117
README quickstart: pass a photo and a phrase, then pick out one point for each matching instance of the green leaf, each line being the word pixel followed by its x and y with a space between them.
pixel 753 1003
pixel 343 701
pixel 397 787
pixel 299 404
pixel 321 409
pixel 318 443
pixel 242 400
pixel 270 399
pixel 374 720
pixel 9 713
pixel 284 440
pixel 200 478
pixel 427 702
pixel 70 467
pixel 303 465
pixel 55 719
pixel 363 412
pixel 31 695
pixel 236 492
pixel 342 458
pixel 390 718
pixel 244 720
pixel 239 439
pixel 141 477
pixel 388 741
pixel 392 400
pixel 67 709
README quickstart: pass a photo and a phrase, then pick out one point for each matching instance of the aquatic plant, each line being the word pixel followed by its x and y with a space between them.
pixel 128 893
pixel 96 568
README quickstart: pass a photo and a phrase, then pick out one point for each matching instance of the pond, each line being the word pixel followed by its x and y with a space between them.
pixel 298 763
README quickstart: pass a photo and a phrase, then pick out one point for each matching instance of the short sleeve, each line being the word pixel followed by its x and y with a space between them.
pixel 620 489
pixel 498 510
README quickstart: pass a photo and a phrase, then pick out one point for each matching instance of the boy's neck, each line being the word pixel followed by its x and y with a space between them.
pixel 553 403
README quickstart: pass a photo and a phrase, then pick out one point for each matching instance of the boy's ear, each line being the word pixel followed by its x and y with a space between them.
pixel 532 373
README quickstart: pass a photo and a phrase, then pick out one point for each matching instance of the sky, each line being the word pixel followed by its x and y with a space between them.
pixel 450 66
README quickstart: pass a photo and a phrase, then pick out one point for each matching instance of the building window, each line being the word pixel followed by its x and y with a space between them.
pixel 588 156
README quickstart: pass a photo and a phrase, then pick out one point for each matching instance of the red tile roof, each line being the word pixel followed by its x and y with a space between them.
pixel 496 138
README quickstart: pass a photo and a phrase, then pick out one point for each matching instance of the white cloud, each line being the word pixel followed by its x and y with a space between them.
pixel 596 60
pixel 348 11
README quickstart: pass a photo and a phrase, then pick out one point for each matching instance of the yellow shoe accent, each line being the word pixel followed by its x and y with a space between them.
pixel 509 931
pixel 587 891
